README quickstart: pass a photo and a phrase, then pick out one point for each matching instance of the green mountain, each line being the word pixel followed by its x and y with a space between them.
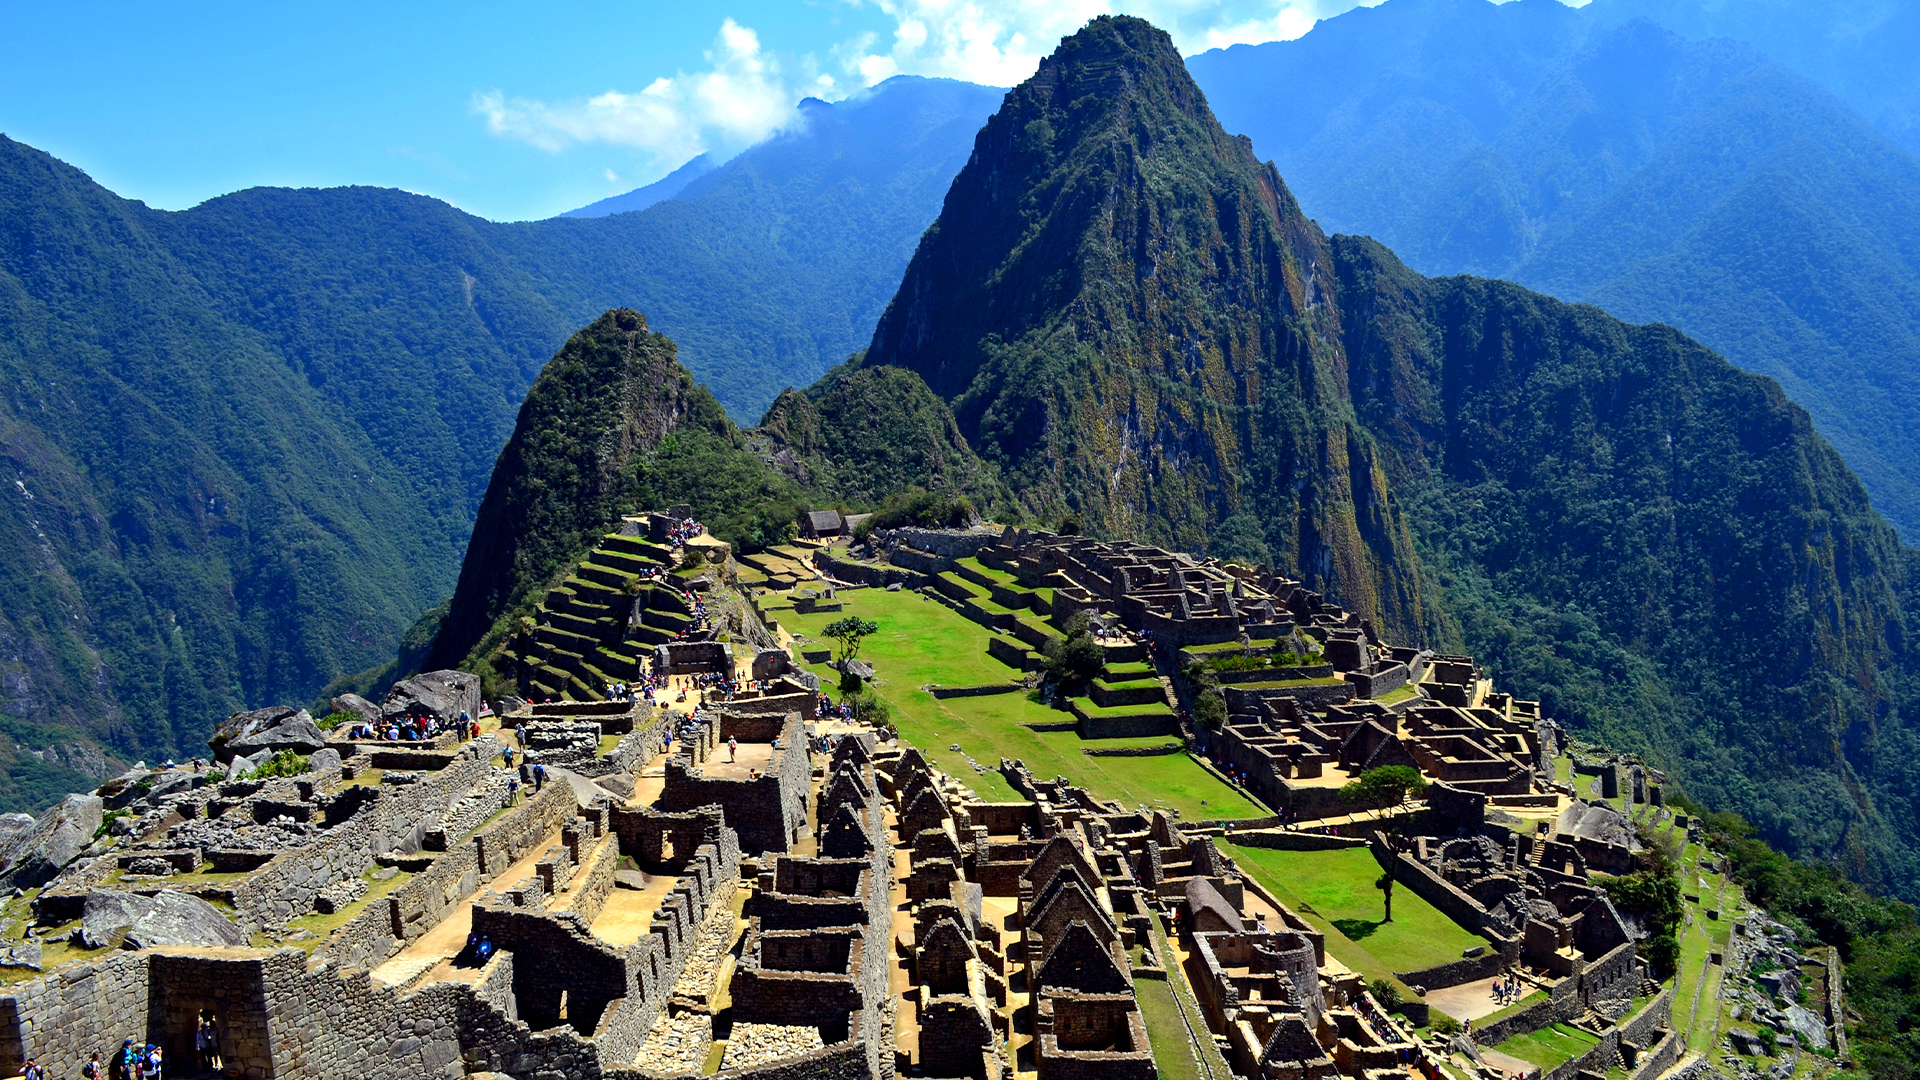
pixel 244 444
pixel 1133 321
pixel 614 424
pixel 1129 315
pixel 1608 161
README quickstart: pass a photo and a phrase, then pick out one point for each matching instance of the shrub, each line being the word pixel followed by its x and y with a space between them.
pixel 284 763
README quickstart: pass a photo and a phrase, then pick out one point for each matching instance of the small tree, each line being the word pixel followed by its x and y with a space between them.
pixel 1074 660
pixel 850 632
pixel 1210 710
pixel 1392 786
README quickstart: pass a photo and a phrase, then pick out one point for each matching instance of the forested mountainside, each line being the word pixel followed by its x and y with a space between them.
pixel 1695 183
pixel 244 443
pixel 1131 320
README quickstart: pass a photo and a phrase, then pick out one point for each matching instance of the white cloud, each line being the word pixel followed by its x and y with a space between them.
pixel 1000 42
pixel 740 99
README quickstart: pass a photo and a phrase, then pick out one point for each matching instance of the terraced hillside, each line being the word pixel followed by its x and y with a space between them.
pixel 597 626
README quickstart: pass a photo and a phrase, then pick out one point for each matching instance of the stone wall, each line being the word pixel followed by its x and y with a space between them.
pixel 389 922
pixel 397 820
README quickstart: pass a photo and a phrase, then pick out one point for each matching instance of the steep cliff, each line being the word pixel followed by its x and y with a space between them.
pixel 1131 319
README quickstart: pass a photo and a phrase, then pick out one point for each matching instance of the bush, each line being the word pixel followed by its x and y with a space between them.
pixel 1210 710
pixel 284 763
pixel 924 509
pixel 335 719
pixel 1384 992
pixel 1442 1023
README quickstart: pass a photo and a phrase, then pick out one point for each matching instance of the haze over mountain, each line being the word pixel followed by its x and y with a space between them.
pixel 642 197
pixel 243 443
pixel 1690 182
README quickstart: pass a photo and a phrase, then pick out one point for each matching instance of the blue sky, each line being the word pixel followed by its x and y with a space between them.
pixel 510 111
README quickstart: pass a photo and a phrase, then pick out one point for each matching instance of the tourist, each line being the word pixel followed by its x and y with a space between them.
pixel 507 754
pixel 733 748
pixel 153 1062
pixel 513 790
pixel 129 1060
pixel 32 1071
pixel 520 733
pixel 205 1048
pixel 539 777
pixel 92 1069
pixel 211 1025
pixel 483 951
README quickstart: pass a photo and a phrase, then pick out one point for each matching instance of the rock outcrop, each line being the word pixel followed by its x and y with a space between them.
pixel 132 921
pixel 55 839
pixel 442 694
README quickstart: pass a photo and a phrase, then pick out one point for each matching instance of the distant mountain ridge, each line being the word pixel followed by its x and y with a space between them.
pixel 642 197
pixel 241 446
pixel 1610 161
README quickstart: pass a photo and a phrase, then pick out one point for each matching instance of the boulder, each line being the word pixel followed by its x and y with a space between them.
pixel 122 789
pixel 13 829
pixel 241 766
pixel 323 760
pixel 296 732
pixel 132 921
pixel 56 838
pixel 445 694
pixel 22 954
pixel 171 782
pixel 355 705
pixel 509 704
pixel 242 724
pixel 629 879
pixel 620 784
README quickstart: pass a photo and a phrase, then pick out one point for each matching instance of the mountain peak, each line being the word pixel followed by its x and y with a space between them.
pixel 1126 310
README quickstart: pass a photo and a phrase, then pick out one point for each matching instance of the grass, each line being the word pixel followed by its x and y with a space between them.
pixel 1172 1049
pixel 921 642
pixel 1550 1045
pixel 1338 886
pixel 1397 694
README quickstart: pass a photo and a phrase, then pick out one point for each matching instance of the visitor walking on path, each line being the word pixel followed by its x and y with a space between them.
pixel 539 778
pixel 733 748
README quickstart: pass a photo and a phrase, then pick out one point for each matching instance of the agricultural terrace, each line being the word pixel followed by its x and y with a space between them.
pixel 922 642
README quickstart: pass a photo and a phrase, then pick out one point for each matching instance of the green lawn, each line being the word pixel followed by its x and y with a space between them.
pixel 1172 1049
pixel 1338 886
pixel 1550 1045
pixel 921 641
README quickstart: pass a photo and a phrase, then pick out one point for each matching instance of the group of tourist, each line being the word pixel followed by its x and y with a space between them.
pixel 1508 988
pixel 416 728
pixel 146 1061
pixel 684 530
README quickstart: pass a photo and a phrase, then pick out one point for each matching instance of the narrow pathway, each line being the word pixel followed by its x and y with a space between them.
pixel 445 940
